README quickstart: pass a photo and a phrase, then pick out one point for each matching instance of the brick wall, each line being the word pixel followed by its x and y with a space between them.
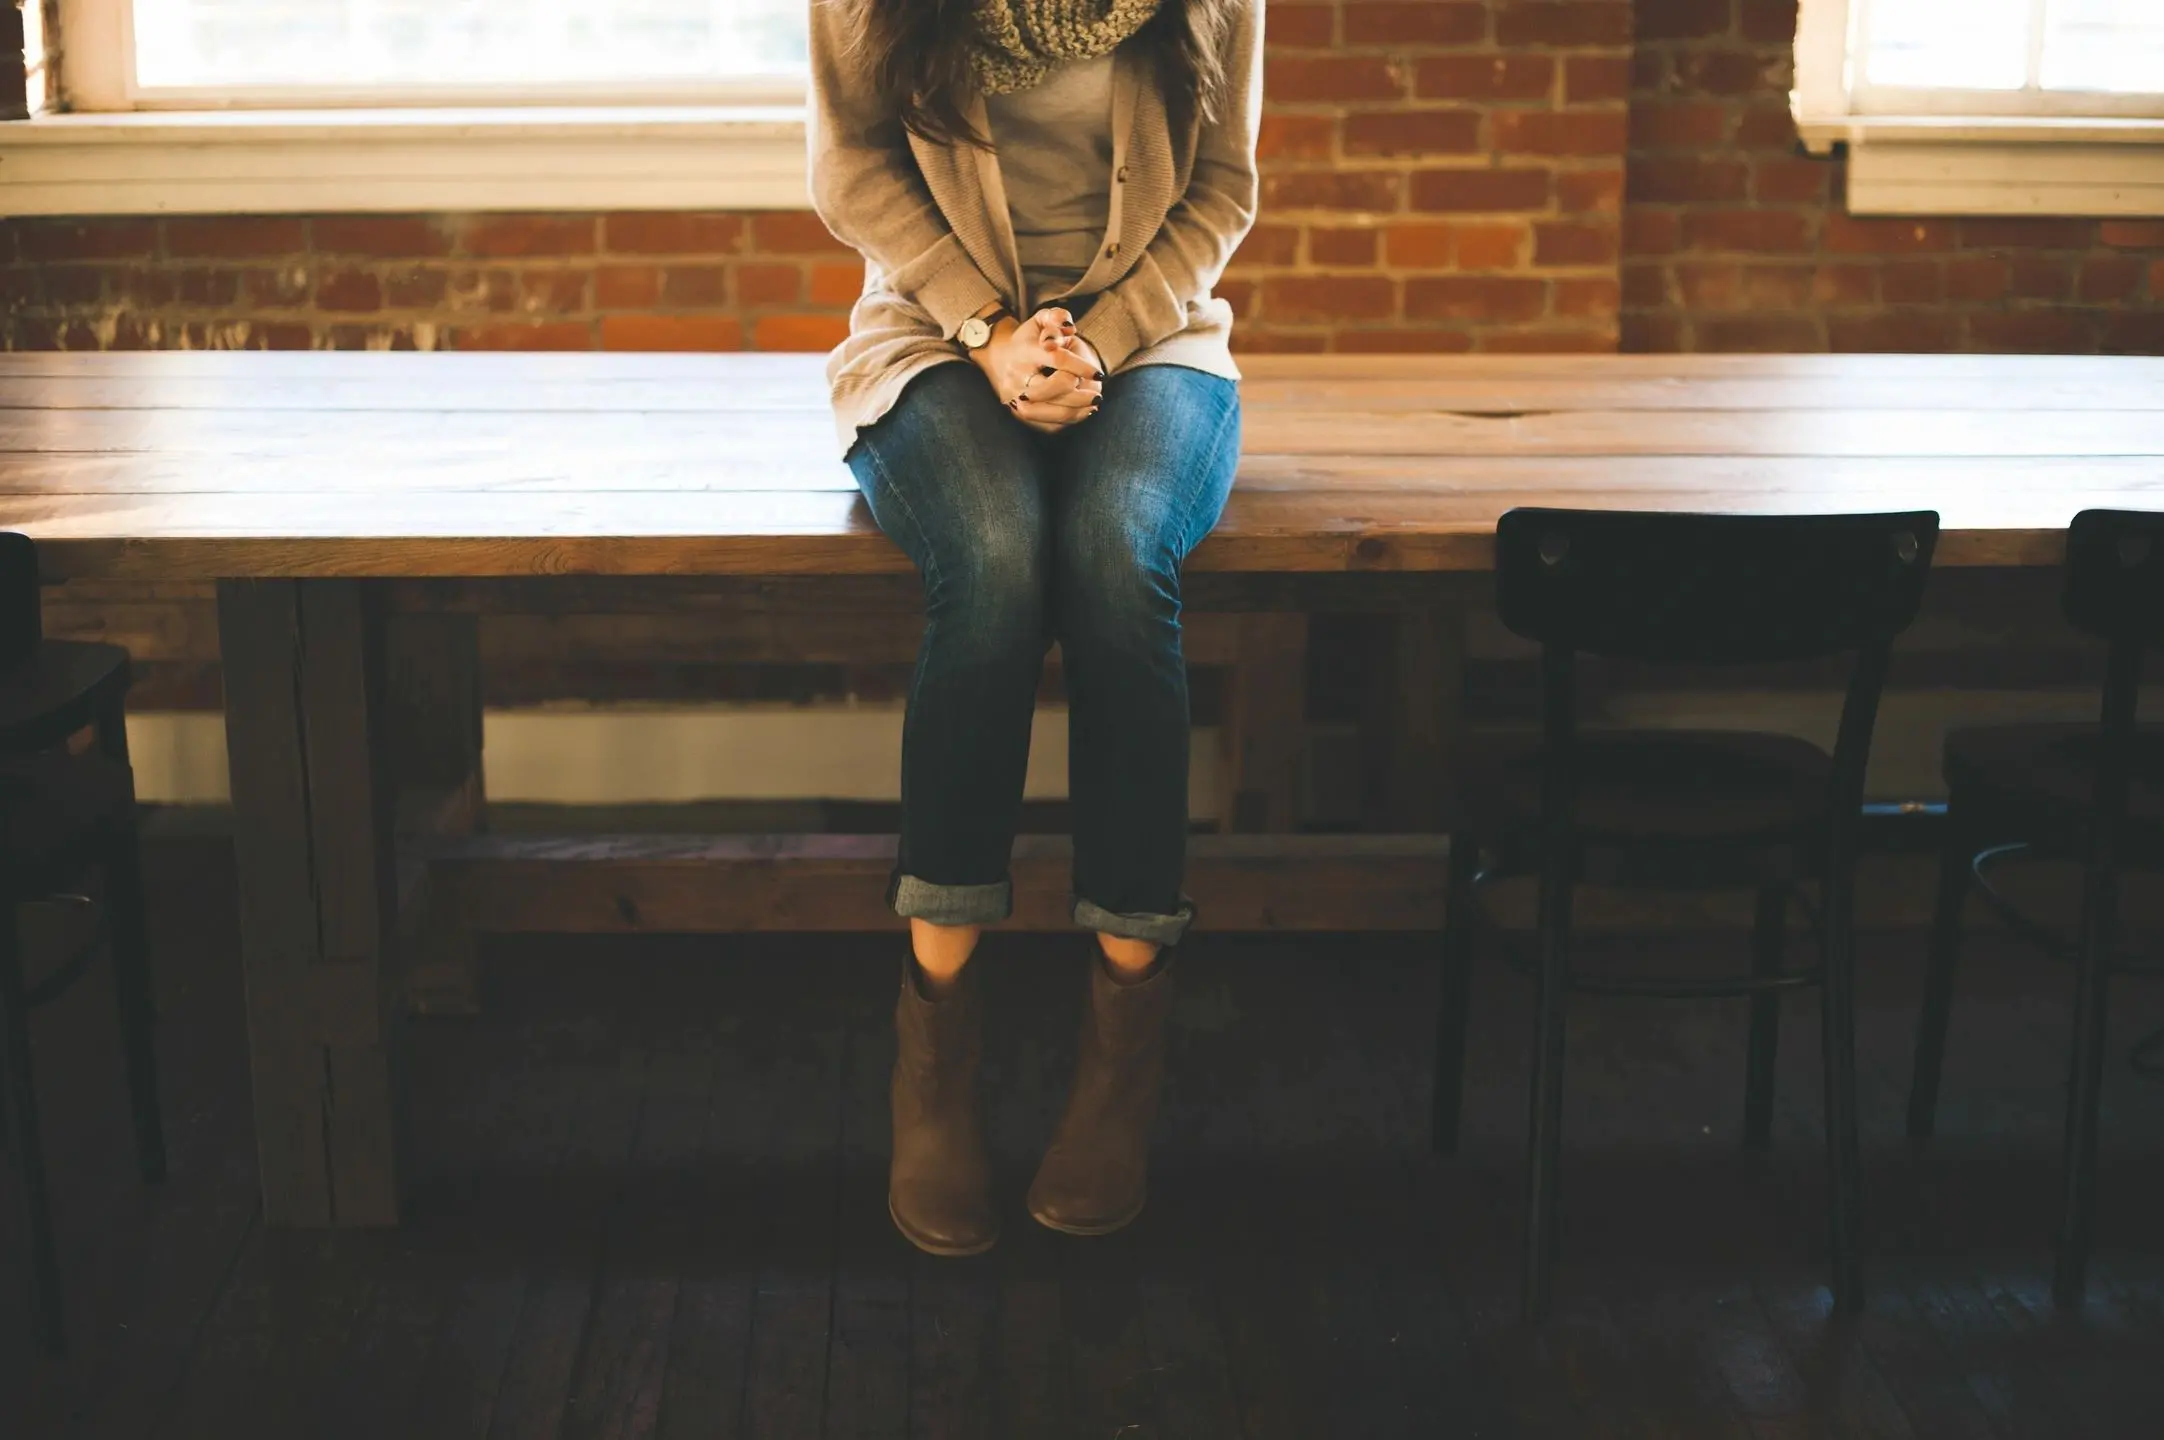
pixel 1736 241
pixel 1438 174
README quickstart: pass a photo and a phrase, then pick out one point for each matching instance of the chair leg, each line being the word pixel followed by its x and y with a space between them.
pixel 1844 1163
pixel 1769 937
pixel 18 1095
pixel 1448 1105
pixel 2084 1092
pixel 135 994
pixel 1955 858
pixel 1546 1145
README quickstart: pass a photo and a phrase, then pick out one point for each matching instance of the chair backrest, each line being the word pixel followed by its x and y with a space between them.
pixel 21 621
pixel 2115 575
pixel 1716 589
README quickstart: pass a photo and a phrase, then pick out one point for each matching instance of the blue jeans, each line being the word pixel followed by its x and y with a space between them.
pixel 1023 539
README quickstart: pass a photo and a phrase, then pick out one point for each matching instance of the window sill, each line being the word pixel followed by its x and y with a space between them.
pixel 1968 165
pixel 269 162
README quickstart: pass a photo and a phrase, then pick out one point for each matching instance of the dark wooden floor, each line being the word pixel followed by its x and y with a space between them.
pixel 650 1203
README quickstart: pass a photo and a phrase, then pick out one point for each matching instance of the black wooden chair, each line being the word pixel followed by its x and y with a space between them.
pixel 1673 810
pixel 63 815
pixel 2093 793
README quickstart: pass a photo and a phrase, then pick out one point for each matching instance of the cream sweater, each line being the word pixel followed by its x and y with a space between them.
pixel 933 225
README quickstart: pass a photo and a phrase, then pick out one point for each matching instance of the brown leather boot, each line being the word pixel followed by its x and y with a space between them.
pixel 1095 1176
pixel 939 1188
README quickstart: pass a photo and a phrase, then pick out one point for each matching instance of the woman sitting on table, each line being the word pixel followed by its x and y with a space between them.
pixel 1037 401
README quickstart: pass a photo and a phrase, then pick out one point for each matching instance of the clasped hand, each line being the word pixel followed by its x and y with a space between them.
pixel 1042 370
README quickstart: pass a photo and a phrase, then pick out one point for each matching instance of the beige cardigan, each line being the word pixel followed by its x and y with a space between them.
pixel 931 222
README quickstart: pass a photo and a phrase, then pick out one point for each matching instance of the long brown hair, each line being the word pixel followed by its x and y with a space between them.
pixel 918 56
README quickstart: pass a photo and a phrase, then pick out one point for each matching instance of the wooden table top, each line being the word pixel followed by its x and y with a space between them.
pixel 179 466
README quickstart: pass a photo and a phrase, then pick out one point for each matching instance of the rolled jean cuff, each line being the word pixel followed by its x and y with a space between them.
pixel 951 904
pixel 1158 929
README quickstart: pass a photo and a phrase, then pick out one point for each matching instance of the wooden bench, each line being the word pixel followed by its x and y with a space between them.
pixel 352 518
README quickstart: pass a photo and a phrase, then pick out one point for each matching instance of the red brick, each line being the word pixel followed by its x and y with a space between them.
pixel 1650 71
pixel 1486 77
pixel 369 337
pixel 2156 281
pixel 1893 331
pixel 1732 72
pixel 1573 243
pixel 1553 132
pixel 1688 179
pixel 836 284
pixel 547 236
pixel 1417 22
pixel 1481 190
pixel 1413 132
pixel 695 286
pixel 1755 333
pixel 553 335
pixel 1328 298
pixel 2133 332
pixel 1601 297
pixel 235 237
pixel 43 241
pixel 768 285
pixel 1411 341
pixel 1340 247
pixel 2028 233
pixel 1728 286
pixel 1769 22
pixel 1568 24
pixel 73 284
pixel 1661 123
pixel 798 332
pixel 1258 341
pixel 1598 191
pixel 388 237
pixel 1296 137
pixel 1912 282
pixel 1645 286
pixel 1576 340
pixel 1489 299
pixel 2041 277
pixel 2034 331
pixel 2133 234
pixel 1491 246
pixel 2108 278
pixel 1331 190
pixel 1847 282
pixel 410 287
pixel 1592 79
pixel 679 232
pixel 1420 247
pixel 1766 127
pixel 493 290
pixel 672 332
pixel 623 287
pixel 792 232
pixel 1790 180
pixel 1848 235
pixel 1301 25
pixel 1332 77
pixel 1685 19
pixel 1647 334
pixel 552 292
pixel 1774 231
pixel 1269 245
pixel 1652 232
pixel 1239 294
pixel 1977 277
pixel 280 288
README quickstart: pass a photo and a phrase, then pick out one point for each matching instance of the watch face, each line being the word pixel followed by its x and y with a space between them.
pixel 974 332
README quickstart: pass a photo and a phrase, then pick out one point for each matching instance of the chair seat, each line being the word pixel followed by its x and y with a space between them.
pixel 57 690
pixel 53 808
pixel 1643 786
pixel 2044 776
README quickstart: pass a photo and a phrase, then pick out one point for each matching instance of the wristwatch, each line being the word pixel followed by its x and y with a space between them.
pixel 976 332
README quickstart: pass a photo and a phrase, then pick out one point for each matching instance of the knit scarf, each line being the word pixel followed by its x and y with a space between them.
pixel 1019 41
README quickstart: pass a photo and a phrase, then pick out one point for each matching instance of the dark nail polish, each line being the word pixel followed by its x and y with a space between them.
pixel 1045 370
pixel 1102 376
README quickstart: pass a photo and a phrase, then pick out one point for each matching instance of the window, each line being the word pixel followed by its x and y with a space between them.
pixel 1988 106
pixel 296 105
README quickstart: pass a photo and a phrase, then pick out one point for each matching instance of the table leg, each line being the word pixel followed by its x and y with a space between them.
pixel 312 808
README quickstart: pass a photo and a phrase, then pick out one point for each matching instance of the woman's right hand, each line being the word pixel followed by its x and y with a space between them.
pixel 1039 373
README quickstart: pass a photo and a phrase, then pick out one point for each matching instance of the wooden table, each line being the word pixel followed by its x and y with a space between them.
pixel 356 511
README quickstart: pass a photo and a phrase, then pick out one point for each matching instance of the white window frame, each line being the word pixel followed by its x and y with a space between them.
pixel 1941 152
pixel 726 144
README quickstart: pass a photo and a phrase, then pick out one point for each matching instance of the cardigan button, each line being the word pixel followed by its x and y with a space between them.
pixel 1112 249
pixel 1119 176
